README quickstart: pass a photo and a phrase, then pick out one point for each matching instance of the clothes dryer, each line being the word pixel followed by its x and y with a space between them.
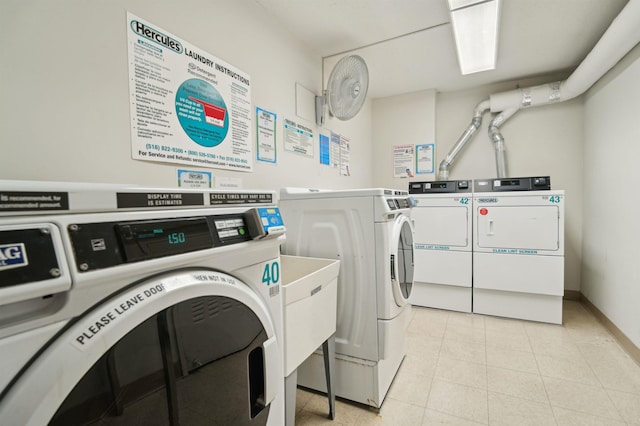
pixel 518 250
pixel 370 232
pixel 442 240
pixel 129 305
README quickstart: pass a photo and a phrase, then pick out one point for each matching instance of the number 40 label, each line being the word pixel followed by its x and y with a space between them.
pixel 271 273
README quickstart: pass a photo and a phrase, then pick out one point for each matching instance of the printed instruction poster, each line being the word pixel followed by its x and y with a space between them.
pixel 335 150
pixel 425 158
pixel 187 106
pixel 403 157
pixel 325 152
pixel 266 135
pixel 298 138
pixel 345 156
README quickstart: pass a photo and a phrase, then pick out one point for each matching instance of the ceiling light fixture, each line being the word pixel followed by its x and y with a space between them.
pixel 475 28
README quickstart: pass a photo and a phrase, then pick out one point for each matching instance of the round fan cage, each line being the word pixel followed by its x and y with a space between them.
pixel 347 87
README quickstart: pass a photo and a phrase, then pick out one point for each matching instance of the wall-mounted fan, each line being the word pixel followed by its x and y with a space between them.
pixel 346 89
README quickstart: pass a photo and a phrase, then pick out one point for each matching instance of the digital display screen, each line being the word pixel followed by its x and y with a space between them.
pixel 158 238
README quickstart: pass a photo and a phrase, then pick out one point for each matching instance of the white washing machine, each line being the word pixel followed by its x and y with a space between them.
pixel 370 232
pixel 518 249
pixel 442 240
pixel 123 305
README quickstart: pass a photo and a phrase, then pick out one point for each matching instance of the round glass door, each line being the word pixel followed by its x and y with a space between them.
pixel 404 261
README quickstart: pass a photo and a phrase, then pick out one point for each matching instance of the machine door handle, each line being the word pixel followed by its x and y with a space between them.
pixel 393 267
pixel 490 228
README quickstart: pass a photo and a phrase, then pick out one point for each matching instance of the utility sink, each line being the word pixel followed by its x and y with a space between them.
pixel 310 294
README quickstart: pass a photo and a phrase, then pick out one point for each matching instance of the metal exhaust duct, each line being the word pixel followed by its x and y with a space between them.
pixel 622 35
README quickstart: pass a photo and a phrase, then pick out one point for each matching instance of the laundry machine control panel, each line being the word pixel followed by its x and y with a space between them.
pixel 106 244
pixel 536 183
pixel 442 186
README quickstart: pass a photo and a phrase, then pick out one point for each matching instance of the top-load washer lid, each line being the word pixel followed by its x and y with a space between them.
pixel 192 346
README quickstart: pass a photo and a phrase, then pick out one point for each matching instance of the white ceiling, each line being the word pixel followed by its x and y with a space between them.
pixel 408 45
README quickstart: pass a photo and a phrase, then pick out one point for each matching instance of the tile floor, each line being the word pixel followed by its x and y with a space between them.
pixel 466 369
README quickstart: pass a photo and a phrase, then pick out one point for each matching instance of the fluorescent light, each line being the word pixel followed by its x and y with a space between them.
pixel 475 28
pixel 457 4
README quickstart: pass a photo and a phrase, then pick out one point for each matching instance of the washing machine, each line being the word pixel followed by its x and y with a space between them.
pixel 129 305
pixel 442 240
pixel 518 249
pixel 370 232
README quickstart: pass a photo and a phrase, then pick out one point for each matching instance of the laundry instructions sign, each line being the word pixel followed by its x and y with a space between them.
pixel 187 106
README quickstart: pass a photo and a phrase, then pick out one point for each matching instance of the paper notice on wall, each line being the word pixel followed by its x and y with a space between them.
pixel 335 150
pixel 194 179
pixel 298 138
pixel 187 106
pixel 345 156
pixel 403 158
pixel 425 158
pixel 266 135
pixel 325 152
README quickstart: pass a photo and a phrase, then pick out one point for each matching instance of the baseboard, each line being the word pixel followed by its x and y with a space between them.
pixel 625 342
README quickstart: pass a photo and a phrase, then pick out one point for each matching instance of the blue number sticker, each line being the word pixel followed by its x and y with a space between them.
pixel 271 273
pixel 464 200
pixel 554 199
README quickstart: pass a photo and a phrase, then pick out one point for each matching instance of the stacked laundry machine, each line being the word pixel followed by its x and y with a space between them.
pixel 495 249
pixel 123 304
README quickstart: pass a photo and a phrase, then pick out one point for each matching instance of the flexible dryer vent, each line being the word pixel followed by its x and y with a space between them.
pixel 622 35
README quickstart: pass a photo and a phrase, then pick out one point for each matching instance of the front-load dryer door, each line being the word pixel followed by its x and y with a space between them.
pixel 190 347
pixel 401 261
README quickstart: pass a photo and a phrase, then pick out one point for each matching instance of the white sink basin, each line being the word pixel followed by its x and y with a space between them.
pixel 310 290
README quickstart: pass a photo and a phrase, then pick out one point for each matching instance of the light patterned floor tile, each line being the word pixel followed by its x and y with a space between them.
pixel 575 369
pixel 507 340
pixel 436 418
pixel 464 351
pixel 516 383
pixel 527 368
pixel 566 417
pixel 462 372
pixel 628 405
pixel 582 398
pixel 512 360
pixel 465 334
pixel 459 401
pixel 411 388
pixel 392 413
pixel 506 410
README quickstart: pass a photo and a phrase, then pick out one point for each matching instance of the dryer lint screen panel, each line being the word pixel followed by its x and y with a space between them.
pixel 446 226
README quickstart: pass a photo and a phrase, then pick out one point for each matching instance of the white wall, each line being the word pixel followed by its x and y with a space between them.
pixel 64 111
pixel 407 119
pixel 611 252
pixel 544 140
